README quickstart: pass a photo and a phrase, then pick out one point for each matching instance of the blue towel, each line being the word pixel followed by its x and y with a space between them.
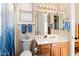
pixel 66 26
pixel 23 28
pixel 29 27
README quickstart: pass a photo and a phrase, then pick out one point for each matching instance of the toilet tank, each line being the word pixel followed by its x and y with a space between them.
pixel 26 44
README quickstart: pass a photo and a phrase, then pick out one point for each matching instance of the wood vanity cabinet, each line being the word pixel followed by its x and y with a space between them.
pixel 54 49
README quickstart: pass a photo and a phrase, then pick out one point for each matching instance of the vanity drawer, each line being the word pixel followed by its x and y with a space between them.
pixel 45 52
pixel 77 44
pixel 45 46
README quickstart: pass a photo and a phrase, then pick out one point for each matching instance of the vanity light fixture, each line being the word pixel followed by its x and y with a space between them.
pixel 54 9
pixel 51 8
pixel 38 7
pixel 44 7
pixel 47 7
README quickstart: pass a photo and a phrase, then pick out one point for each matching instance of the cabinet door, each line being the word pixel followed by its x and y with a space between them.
pixel 64 49
pixel 76 31
pixel 55 51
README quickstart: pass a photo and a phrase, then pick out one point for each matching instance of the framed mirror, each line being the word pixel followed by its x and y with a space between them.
pixel 52 21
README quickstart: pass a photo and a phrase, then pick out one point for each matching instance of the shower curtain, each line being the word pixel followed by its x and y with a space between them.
pixel 7 30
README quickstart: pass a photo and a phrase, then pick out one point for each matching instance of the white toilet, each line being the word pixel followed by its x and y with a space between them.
pixel 26 44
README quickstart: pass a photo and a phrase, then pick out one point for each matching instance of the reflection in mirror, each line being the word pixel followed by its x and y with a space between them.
pixel 56 22
pixel 53 21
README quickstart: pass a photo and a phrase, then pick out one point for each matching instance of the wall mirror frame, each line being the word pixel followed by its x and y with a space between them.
pixel 50 15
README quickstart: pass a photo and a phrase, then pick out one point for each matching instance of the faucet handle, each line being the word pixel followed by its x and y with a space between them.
pixel 45 36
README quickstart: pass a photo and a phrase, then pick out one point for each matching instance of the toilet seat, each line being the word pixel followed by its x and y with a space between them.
pixel 26 53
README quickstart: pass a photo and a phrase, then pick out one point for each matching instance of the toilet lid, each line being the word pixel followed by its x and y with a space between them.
pixel 26 53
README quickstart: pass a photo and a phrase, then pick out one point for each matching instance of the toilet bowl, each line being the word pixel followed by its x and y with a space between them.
pixel 26 45
pixel 26 53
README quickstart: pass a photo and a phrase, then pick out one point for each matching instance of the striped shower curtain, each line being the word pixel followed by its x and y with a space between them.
pixel 7 30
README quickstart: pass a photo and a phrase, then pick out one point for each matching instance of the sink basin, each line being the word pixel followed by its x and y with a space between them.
pixel 53 39
pixel 45 41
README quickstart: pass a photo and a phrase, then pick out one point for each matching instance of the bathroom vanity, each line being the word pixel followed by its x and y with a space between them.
pixel 52 47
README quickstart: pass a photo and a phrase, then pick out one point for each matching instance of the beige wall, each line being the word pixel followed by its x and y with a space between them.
pixel 77 13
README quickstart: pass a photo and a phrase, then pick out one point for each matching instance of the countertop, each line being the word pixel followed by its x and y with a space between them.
pixel 54 40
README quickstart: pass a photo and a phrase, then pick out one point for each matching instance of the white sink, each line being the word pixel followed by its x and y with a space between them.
pixel 46 41
pixel 51 40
